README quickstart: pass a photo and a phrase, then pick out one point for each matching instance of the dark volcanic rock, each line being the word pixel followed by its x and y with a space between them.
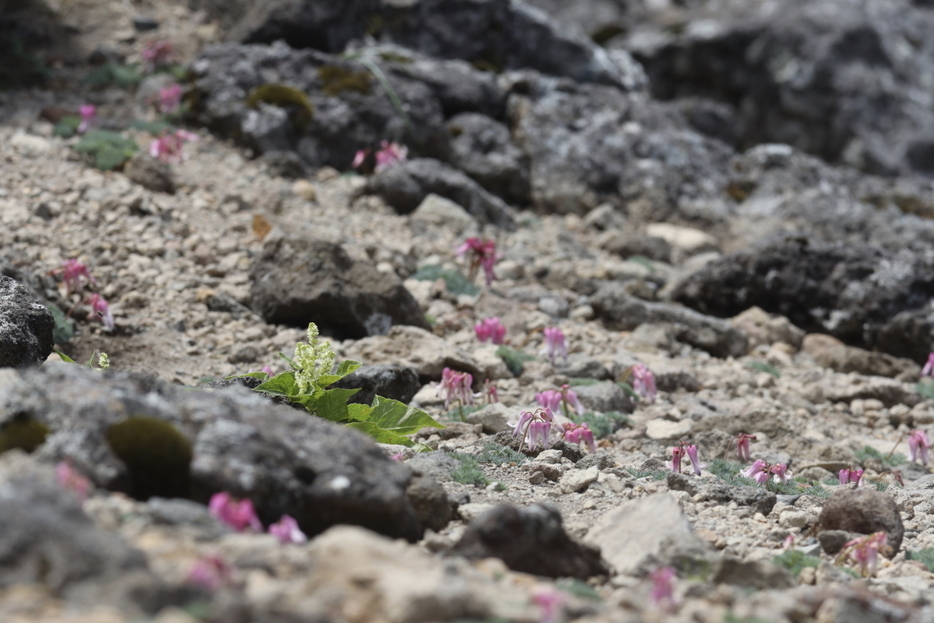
pixel 853 293
pixel 531 540
pixel 430 502
pixel 406 185
pixel 25 327
pixel 301 280
pixel 761 500
pixel 285 461
pixel 389 380
pixel 864 511
pixel 623 312
pixel 482 148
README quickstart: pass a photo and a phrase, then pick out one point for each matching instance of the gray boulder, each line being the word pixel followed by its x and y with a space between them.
pixel 300 280
pixel 389 380
pixel 482 148
pixel 25 327
pixel 148 438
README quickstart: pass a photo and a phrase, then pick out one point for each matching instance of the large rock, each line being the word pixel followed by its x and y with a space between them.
pixel 483 149
pixel 863 511
pixel 531 540
pixel 831 77
pixel 25 327
pixel 406 185
pixel 144 437
pixel 852 293
pixel 622 312
pixel 830 352
pixel 300 280
pixel 388 380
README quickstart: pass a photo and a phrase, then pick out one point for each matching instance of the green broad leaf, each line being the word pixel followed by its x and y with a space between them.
pixel 382 435
pixel 283 384
pixel 343 369
pixel 399 418
pixel 359 412
pixel 64 357
pixel 331 404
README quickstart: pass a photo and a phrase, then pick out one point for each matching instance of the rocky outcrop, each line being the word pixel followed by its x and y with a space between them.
pixel 25 327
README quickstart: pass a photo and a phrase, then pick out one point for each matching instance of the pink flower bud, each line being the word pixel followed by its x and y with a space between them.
pixel 287 531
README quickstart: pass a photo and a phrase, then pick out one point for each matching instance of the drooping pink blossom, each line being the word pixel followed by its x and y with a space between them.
pixel 535 428
pixel 238 514
pixel 390 154
pixel 490 391
pixel 88 114
pixel 75 276
pixel 643 382
pixel 481 254
pixel 696 465
pixel 918 446
pixel 579 434
pixel 156 54
pixel 550 602
pixel 455 386
pixel 490 330
pixel 211 572
pixel 677 454
pixel 780 473
pixel 287 531
pixel 742 446
pixel 550 399
pixel 170 98
pixel 170 146
pixel 662 592
pixel 69 478
pixel 865 552
pixel 758 471
pixel 555 344
pixel 928 369
pixel 851 475
pixel 102 309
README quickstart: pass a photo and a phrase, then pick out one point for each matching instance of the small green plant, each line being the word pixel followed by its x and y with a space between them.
pixel 926 389
pixel 103 360
pixel 459 414
pixel 924 556
pixel 795 561
pixel 500 455
pixel 761 366
pixel 108 149
pixel 514 359
pixel 641 260
pixel 64 328
pixel 578 588
pixel 869 452
pixel 386 420
pixel 468 471
pixel 817 490
pixel 601 425
pixel 67 126
pixel 112 74
pixel 455 282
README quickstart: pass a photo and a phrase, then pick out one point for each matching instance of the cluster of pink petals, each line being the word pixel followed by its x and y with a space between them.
pixel 388 155
pixel 760 471
pixel 170 98
pixel 88 114
pixel 662 592
pixel 102 309
pixel 287 531
pixel 490 330
pixel 643 382
pixel 742 446
pixel 865 552
pixel 677 456
pixel 579 434
pixel 240 515
pixel 556 344
pixel 170 146
pixel 211 572
pixel 928 369
pixel 550 602
pixel 555 398
pixel 851 475
pixel 75 276
pixel 69 478
pixel 156 54
pixel 490 391
pixel 918 446
pixel 482 254
pixel 456 386
pixel 535 428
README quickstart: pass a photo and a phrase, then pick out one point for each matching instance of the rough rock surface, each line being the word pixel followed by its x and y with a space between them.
pixel 864 511
pixel 25 327
pixel 386 380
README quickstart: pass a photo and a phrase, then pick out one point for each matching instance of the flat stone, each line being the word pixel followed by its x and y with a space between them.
pixel 660 429
pixel 577 480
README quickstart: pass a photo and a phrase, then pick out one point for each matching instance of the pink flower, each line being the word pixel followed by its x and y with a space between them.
pixel 71 479
pixel 691 451
pixel 482 254
pixel 742 446
pixel 758 471
pixel 397 457
pixel 780 473
pixel 535 427
pixel 550 602
pixel 360 158
pixel 866 550
pixel 851 475
pixel 662 592
pixel 643 382
pixel 211 572
pixel 918 445
pixel 677 454
pixel 170 98
pixel 555 344
pixel 88 114
pixel 928 369
pixel 455 386
pixel 287 531
pixel 169 147
pixel 75 276
pixel 491 392
pixel 490 329
pixel 550 399
pixel 390 154
pixel 102 309
pixel 156 54
pixel 239 515
pixel 579 434
pixel 268 370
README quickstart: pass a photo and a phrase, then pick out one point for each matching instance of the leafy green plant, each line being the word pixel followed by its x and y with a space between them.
pixel 468 471
pixel 514 359
pixel 113 74
pixel 458 414
pixel 601 425
pixel 64 328
pixel 386 420
pixel 761 366
pixel 869 452
pixel 817 490
pixel 454 281
pixel 67 126
pixel 924 556
pixel 500 455
pixel 795 561
pixel 108 149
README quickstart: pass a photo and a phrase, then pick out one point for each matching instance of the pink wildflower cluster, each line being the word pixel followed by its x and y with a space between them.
pixel 490 391
pixel 75 278
pixel 170 98
pixel 88 114
pixel 579 434
pixel 760 471
pixel 490 330
pixel 156 54
pixel 662 592
pixel 69 478
pixel 918 446
pixel 169 146
pixel 554 398
pixel 865 552
pixel 742 446
pixel 102 309
pixel 556 344
pixel 456 386
pixel 482 254
pixel 535 428
pixel 643 382
pixel 677 456
pixel 850 475
pixel 388 155
pixel 240 515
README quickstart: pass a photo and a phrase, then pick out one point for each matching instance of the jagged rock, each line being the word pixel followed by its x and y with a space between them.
pixel 25 327
pixel 300 280
pixel 864 511
pixel 387 380
pixel 482 148
pixel 762 328
pixel 761 500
